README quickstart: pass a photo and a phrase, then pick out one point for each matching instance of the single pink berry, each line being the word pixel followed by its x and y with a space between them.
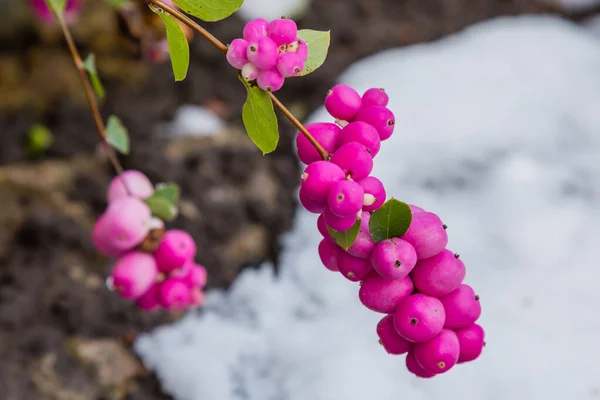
pixel 270 80
pixel 354 159
pixel 318 178
pixel 196 297
pixel 438 354
pixel 133 274
pixel 427 234
pixel 103 242
pixel 375 194
pixel 472 341
pixel 311 205
pixel 290 64
pixel 237 53
pixel 174 294
pixel 263 53
pixel 413 366
pixel 363 244
pixel 255 29
pixel 125 224
pixel 439 275
pixel 381 118
pixel 196 277
pixel 138 183
pixel 149 301
pixel 330 254
pixel 415 209
pixel 393 258
pixel 176 249
pixel 322 227
pixel 462 307
pixel 343 102
pixel 419 318
pixel 384 295
pixel 345 198
pixel 340 224
pixel 325 133
pixel 298 46
pixel 363 133
pixel 282 31
pixel 44 14
pixel 249 72
pixel 389 338
pixel 352 268
pixel 375 97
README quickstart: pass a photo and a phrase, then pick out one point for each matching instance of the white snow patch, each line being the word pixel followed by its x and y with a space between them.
pixel 193 120
pixel 273 9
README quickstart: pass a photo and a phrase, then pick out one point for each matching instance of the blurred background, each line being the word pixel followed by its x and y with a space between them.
pixel 497 103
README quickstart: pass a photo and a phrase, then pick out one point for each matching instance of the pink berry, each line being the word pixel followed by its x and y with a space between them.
pixel 196 297
pixel 336 223
pixel 362 133
pixel 375 97
pixel 415 209
pixel 363 244
pixel 389 338
pixel 249 72
pixel 384 295
pixel 345 198
pixel 298 46
pixel 174 294
pixel 343 102
pixel 330 254
pixel 380 117
pixel 237 53
pixel 462 307
pixel 472 341
pixel 318 178
pixel 282 31
pixel 255 29
pixel 263 53
pixel 176 249
pixel 149 301
pixel 322 227
pixel 413 366
pixel 133 274
pixel 126 222
pixel 419 318
pixel 427 234
pixel 354 159
pixel 311 205
pixel 103 242
pixel 352 268
pixel 290 64
pixel 196 277
pixel 375 194
pixel 439 354
pixel 439 275
pixel 270 80
pixel 325 133
pixel 393 258
pixel 135 181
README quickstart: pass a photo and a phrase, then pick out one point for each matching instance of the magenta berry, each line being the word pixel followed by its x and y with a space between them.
pixel 330 254
pixel 363 245
pixel 439 275
pixel 282 31
pixel 343 102
pixel 382 119
pixel 354 159
pixel 413 366
pixel 249 72
pixel 263 52
pixel 196 276
pixel 427 234
pixel 174 294
pixel 126 222
pixel 389 338
pixel 384 295
pixel 352 268
pixel 135 181
pixel 196 297
pixel 322 227
pixel 462 307
pixel 393 258
pixel 415 209
pixel 318 178
pixel 439 354
pixel 149 301
pixel 472 341
pixel 237 53
pixel 103 242
pixel 255 29
pixel 375 97
pixel 270 80
pixel 290 64
pixel 176 249
pixel 325 133
pixel 419 318
pixel 345 198
pixel 311 205
pixel 336 223
pixel 362 133
pixel 133 274
pixel 298 46
pixel 375 194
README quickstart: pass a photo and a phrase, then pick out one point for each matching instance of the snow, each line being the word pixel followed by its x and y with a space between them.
pixel 272 9
pixel 498 132
pixel 195 121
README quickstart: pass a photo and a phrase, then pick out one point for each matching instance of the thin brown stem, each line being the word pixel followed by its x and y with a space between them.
pixel 223 48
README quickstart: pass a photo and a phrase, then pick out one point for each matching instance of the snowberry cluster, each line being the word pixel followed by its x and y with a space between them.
pixel 413 279
pixel 268 52
pixel 155 268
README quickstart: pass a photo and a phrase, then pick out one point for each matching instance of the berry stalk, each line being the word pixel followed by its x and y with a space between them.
pixel 223 48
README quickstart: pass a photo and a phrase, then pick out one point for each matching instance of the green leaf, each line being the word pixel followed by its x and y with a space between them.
pixel 179 48
pixel 90 66
pixel 168 191
pixel 391 220
pixel 40 139
pixel 161 207
pixel 116 135
pixel 259 118
pixel 118 3
pixel 57 5
pixel 209 10
pixel 318 45
pixel 346 238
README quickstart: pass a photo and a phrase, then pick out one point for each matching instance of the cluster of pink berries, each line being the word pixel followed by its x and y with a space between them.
pixel 155 268
pixel 268 52
pixel 413 279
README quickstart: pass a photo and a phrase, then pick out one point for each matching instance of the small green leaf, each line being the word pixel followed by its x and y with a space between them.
pixel 179 48
pixel 161 207
pixel 346 238
pixel 40 139
pixel 209 10
pixel 116 135
pixel 259 118
pixel 118 3
pixel 391 220
pixel 90 66
pixel 168 191
pixel 318 45
pixel 57 5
